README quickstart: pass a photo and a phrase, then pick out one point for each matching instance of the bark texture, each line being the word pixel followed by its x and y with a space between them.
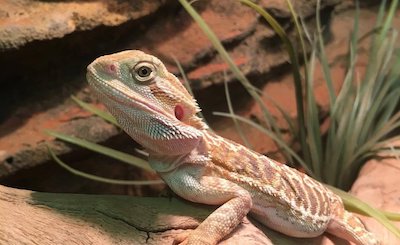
pixel 28 217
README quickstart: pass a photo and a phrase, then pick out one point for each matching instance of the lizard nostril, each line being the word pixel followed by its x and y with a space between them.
pixel 179 113
pixel 112 68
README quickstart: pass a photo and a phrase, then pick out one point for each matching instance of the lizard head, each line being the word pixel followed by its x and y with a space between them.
pixel 149 102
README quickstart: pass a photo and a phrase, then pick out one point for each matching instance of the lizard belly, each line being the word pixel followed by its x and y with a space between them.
pixel 280 219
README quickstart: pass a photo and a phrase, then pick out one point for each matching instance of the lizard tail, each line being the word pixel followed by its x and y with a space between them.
pixel 348 226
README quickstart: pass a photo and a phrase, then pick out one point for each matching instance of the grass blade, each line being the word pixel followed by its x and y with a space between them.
pixel 391 216
pixel 323 58
pixel 356 205
pixel 296 74
pixel 231 111
pixel 271 134
pixel 300 33
pixel 123 157
pixel 313 127
pixel 103 114
pixel 101 179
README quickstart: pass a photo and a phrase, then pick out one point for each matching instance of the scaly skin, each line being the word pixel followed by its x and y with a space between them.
pixel 154 108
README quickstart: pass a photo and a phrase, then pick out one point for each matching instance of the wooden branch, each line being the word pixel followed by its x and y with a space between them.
pixel 28 217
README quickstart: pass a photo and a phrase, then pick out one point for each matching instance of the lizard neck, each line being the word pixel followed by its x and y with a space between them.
pixel 165 163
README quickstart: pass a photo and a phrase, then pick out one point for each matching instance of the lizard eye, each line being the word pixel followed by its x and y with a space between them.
pixel 144 72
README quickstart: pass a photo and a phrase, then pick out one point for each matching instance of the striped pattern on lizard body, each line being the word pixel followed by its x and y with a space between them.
pixel 293 196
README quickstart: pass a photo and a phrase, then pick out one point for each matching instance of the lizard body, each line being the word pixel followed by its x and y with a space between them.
pixel 155 109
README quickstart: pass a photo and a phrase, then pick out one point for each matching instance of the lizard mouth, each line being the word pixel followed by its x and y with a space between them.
pixel 116 91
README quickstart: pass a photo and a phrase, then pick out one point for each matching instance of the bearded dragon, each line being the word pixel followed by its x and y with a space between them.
pixel 155 109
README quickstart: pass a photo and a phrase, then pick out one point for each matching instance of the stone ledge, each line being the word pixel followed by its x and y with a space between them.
pixel 24 21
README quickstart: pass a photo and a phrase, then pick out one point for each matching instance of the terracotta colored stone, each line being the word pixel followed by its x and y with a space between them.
pixel 180 37
pixel 28 141
pixel 378 185
pixel 24 21
pixel 303 7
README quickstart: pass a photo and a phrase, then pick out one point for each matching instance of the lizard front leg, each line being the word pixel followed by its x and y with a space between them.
pixel 236 203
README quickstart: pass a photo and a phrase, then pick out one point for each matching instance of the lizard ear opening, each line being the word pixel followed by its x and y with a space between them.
pixel 179 112
pixel 185 116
